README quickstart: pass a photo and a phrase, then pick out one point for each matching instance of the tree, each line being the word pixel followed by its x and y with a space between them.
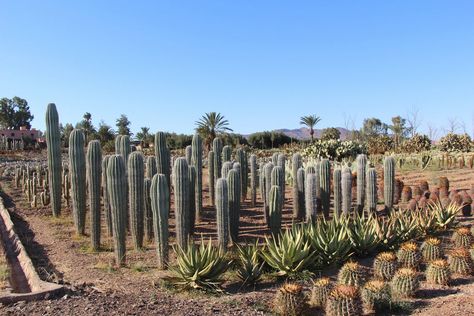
pixel 144 136
pixel 211 125
pixel 15 113
pixel 373 127
pixel 413 121
pixel 65 131
pixel 310 121
pixel 87 126
pixel 105 133
pixel 398 129
pixel 330 133
pixel 123 125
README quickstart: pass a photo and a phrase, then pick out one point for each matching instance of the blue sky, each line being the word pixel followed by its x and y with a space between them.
pixel 262 64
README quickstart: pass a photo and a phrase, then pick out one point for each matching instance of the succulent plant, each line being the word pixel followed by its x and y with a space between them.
pixel 375 295
pixel 389 182
pixel 352 273
pixel 462 237
pixel 106 199
pixel 162 155
pixel 160 207
pixel 460 261
pixel 147 211
pixel 53 145
pixel 320 291
pixel 344 300
pixel 361 182
pixel 234 187
pixel 253 180
pixel 296 163
pixel 438 272
pixel 275 205
pixel 250 267
pixel 222 213
pixel 371 189
pixel 300 183
pixel 290 300
pixel 385 265
pixel 136 196
pixel 217 148
pixel 346 191
pixel 196 161
pixel 405 283
pixel 181 201
pixel 94 173
pixel 77 164
pixel 311 199
pixel 211 179
pixel 337 189
pixel 431 249
pixel 409 255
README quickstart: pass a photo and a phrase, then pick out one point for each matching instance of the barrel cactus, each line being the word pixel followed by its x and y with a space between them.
pixel 160 206
pixel 405 283
pixel 385 265
pixel 431 249
pixel 344 300
pixel 351 273
pixel 320 291
pixel 53 143
pixel 409 255
pixel 290 300
pixel 77 165
pixel 136 196
pixel 94 173
pixel 438 272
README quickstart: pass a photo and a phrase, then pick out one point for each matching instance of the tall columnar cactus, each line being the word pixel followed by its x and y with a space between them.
pixel 361 173
pixel 192 198
pixel 222 213
pixel 233 184
pixel 275 159
pixel 118 147
pixel 253 180
pixel 296 163
pixel 181 201
pixel 108 215
pixel 162 154
pixel 275 209
pixel 226 153
pixel 337 188
pixel 267 171
pixel 217 148
pixel 389 182
pixel 150 167
pixel 125 148
pixel 226 167
pixel 281 163
pixel 117 189
pixel 277 178
pixel 94 173
pixel 188 154
pixel 300 183
pixel 371 190
pixel 325 184
pixel 211 180
pixel 136 181
pixel 241 157
pixel 147 211
pixel 197 163
pixel 53 142
pixel 346 191
pixel 311 200
pixel 77 165
pixel 160 206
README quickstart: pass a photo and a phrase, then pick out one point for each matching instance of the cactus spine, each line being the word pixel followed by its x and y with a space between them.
pixel 94 172
pixel 253 180
pixel 226 153
pixel 275 205
pixel 281 163
pixel 310 197
pixel 361 174
pixel 346 191
pixel 234 185
pixel 217 148
pixel 336 176
pixel 136 182
pixel 160 206
pixel 300 183
pixel 125 148
pixel 295 165
pixel 192 198
pixel 117 189
pixel 147 211
pixel 197 163
pixel 241 157
pixel 267 171
pixel 211 180
pixel 325 185
pixel 162 154
pixel 77 164
pixel 53 142
pixel 222 210
pixel 181 201
pixel 150 169
pixel 389 182
pixel 188 154
pixel 108 215
pixel 226 167
pixel 371 190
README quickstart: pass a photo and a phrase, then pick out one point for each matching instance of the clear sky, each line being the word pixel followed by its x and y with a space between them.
pixel 262 64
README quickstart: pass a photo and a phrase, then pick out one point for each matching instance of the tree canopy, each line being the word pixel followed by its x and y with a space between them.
pixel 15 113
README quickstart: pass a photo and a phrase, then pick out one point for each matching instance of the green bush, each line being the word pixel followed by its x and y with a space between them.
pixel 455 142
pixel 333 149
pixel 379 144
pixel 416 144
pixel 268 140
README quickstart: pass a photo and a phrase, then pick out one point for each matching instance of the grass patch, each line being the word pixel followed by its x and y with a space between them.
pixel 105 266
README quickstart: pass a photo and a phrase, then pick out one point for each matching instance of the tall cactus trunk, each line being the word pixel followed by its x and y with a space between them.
pixel 346 191
pixel 105 196
pixel 188 154
pixel 150 169
pixel 77 165
pixel 253 180
pixel 147 212
pixel 361 174
pixel 281 164
pixel 241 157
pixel 181 201
pixel 162 154
pixel 211 180
pixel 337 178
pixel 311 200
pixel 160 205
pixel 94 173
pixel 371 190
pixel 388 182
pixel 275 210
pixel 192 198
pixel 234 185
pixel 217 148
pixel 53 143
pixel 268 184
pixel 295 165
pixel 197 163
pixel 226 153
pixel 136 195
pixel 117 189
pixel 325 185
pixel 300 184
pixel 222 214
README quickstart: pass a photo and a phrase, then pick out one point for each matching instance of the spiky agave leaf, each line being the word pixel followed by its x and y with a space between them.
pixel 445 216
pixel 363 234
pixel 250 264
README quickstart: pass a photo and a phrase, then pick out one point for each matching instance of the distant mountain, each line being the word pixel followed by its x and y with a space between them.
pixel 303 133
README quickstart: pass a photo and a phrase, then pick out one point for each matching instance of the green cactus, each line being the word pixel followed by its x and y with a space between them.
pixel 108 215
pixel 53 143
pixel 217 148
pixel 136 194
pixel 346 186
pixel 371 190
pixel 117 189
pixel 241 157
pixel 438 272
pixel 211 180
pixel 147 211
pixel 233 184
pixel 462 237
pixel 296 163
pixel 290 300
pixel 311 200
pixel 300 183
pixel 275 205
pixel 277 178
pixel 197 163
pixel 267 171
pixel 351 273
pixel 94 172
pixel 325 185
pixel 226 153
pixel 460 261
pixel 125 148
pixel 150 167
pixel 431 249
pixel 405 283
pixel 361 173
pixel 118 148
pixel 162 154
pixel 337 188
pixel 385 265
pixel 77 163
pixel 281 163
pixel 320 291
pixel 188 154
pixel 160 207
pixel 375 295
pixel 409 255
pixel 222 213
pixel 253 180
pixel 181 201
pixel 226 167
pixel 275 158
pixel 389 182
pixel 344 300
pixel 192 198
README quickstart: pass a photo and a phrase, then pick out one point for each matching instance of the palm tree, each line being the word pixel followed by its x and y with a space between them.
pixel 211 125
pixel 144 136
pixel 310 121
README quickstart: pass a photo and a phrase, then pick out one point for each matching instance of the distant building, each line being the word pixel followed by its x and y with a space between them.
pixel 11 135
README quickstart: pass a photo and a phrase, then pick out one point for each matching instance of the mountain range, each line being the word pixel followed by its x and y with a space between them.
pixel 303 133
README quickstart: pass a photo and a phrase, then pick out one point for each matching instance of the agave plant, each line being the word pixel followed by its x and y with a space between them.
pixel 363 234
pixel 445 216
pixel 250 264
pixel 290 254
pixel 199 266
pixel 405 225
pixel 426 222
pixel 330 240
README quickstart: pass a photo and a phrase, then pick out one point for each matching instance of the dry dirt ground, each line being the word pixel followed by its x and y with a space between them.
pixel 95 287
